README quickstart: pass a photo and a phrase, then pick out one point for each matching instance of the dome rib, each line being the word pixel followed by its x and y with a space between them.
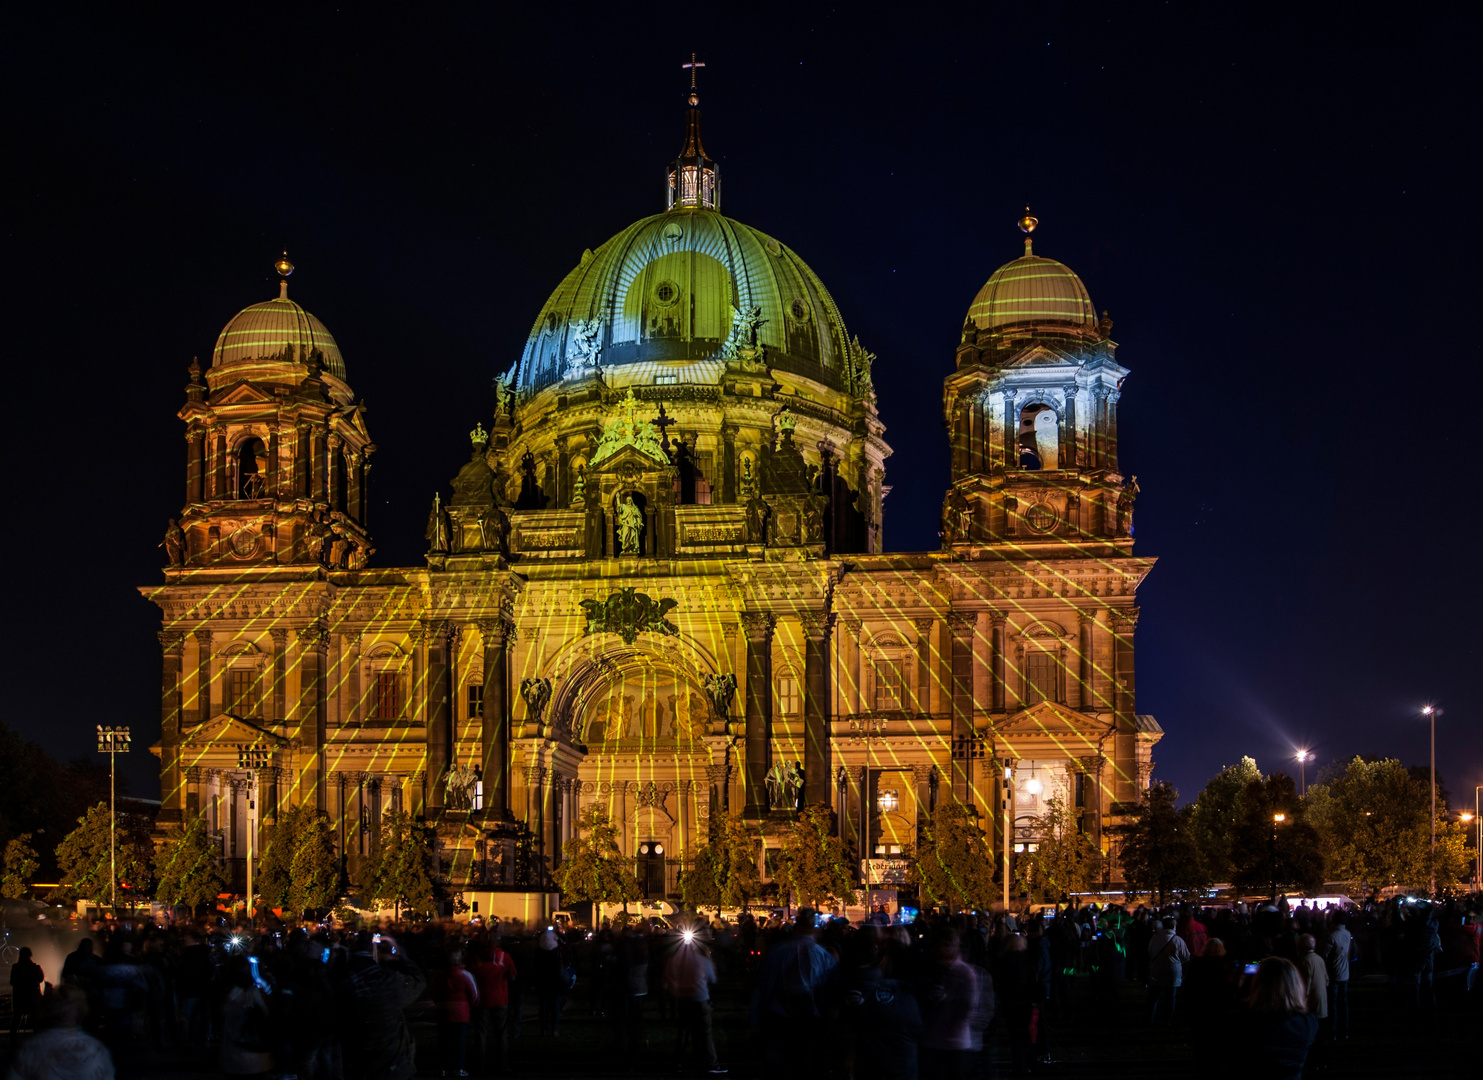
pixel 276 329
pixel 1032 290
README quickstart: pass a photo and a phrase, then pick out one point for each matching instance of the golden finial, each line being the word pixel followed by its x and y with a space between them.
pixel 283 266
pixel 1028 222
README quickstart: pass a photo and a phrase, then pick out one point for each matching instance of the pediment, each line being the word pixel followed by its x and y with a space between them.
pixel 243 393
pixel 230 730
pixel 624 457
pixel 1041 356
pixel 1052 721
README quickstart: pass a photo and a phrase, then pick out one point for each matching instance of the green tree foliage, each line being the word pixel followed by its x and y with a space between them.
pixel 186 866
pixel 593 868
pixel 1159 854
pixel 20 867
pixel 1264 850
pixel 724 872
pixel 298 870
pixel 955 865
pixel 1373 824
pixel 1064 861
pixel 1214 814
pixel 813 863
pixel 397 873
pixel 44 797
pixel 83 859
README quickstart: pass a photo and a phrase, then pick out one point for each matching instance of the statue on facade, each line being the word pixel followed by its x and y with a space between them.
pixel 748 479
pixel 721 689
pixel 741 342
pixel 630 526
pixel 437 526
pixel 955 514
pixel 626 429
pixel 174 544
pixel 537 694
pixel 861 361
pixel 579 488
pixel 784 786
pixel 583 347
pixel 458 787
pixel 504 391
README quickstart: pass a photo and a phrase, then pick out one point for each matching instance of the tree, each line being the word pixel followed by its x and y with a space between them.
pixel 83 857
pixel 20 866
pixel 724 872
pixel 1266 853
pixel 186 866
pixel 1064 860
pixel 1158 853
pixel 299 869
pixel 396 873
pixel 594 869
pixel 955 865
pixel 1214 814
pixel 813 863
pixel 1373 825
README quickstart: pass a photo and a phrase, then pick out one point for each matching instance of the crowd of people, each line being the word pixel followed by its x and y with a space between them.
pixel 1260 990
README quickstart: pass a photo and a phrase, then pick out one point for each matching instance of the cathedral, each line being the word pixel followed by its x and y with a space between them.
pixel 660 580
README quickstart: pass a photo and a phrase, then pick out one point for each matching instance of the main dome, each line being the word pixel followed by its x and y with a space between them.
pixel 276 329
pixel 665 292
pixel 1030 291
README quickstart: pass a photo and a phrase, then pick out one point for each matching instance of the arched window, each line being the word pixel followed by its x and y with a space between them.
pixel 252 469
pixel 1039 437
pixel 1042 677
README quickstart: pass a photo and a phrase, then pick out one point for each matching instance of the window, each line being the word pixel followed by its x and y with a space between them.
pixel 888 801
pixel 241 692
pixel 890 686
pixel 396 798
pixel 786 702
pixel 388 696
pixel 476 700
pixel 252 469
pixel 1039 438
pixel 666 380
pixel 1041 678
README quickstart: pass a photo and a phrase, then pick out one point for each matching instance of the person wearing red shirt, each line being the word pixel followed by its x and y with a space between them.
pixel 493 971
pixel 460 999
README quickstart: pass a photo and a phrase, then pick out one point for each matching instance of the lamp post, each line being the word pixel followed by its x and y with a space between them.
pixel 1277 819
pixel 1433 712
pixel 1478 821
pixel 1007 810
pixel 1303 757
pixel 1466 817
pixel 251 758
pixel 113 741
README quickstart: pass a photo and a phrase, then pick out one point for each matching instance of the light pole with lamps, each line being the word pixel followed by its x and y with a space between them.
pixel 251 758
pixel 113 741
pixel 1478 821
pixel 1465 817
pixel 1277 819
pixel 1433 712
pixel 1303 756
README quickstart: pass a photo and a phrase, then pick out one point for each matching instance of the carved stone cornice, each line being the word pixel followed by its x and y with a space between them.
pixel 758 626
pixel 172 642
pixel 1123 618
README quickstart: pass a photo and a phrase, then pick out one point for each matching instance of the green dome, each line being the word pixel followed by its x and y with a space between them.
pixel 665 291
pixel 1031 291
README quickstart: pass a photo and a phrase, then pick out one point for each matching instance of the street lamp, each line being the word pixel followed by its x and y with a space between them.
pixel 1478 818
pixel 1277 819
pixel 1433 712
pixel 252 758
pixel 113 741
pixel 1303 757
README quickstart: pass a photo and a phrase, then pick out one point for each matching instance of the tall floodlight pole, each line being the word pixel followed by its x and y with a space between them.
pixel 251 758
pixel 1433 712
pixel 1006 811
pixel 113 741
pixel 1303 756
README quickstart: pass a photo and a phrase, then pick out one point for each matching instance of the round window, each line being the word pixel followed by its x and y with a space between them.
pixel 244 542
pixel 666 292
pixel 799 309
pixel 1041 517
pixel 673 233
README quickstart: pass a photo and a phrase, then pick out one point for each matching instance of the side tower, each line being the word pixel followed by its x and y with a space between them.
pixel 1037 528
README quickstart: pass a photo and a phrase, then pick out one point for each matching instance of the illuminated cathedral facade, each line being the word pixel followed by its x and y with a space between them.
pixel 660 581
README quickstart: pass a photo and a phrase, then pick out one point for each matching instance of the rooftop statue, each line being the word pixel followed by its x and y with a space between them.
pixel 583 347
pixel 626 429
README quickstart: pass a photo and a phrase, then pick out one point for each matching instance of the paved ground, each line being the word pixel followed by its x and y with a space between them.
pixel 1101 1043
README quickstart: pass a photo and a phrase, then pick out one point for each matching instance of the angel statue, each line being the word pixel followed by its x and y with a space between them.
pixel 504 392
pixel 583 347
pixel 458 787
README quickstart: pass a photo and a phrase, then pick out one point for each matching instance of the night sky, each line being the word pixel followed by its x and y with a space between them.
pixel 1280 212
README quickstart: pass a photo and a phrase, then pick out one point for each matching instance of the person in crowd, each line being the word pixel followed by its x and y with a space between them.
pixel 60 1049
pixel 193 980
pixel 26 978
pixel 689 976
pixel 1340 946
pixel 949 993
pixel 493 971
pixel 1315 982
pixel 456 1006
pixel 881 1017
pixel 381 983
pixel 1276 1030
pixel 785 1008
pixel 551 961
pixel 246 1027
pixel 1167 955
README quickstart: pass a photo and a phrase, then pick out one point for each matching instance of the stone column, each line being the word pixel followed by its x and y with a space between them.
pixel 334 494
pixel 436 635
pixel 1011 431
pixel 1091 768
pixel 997 621
pixel 1085 698
pixel 758 627
pixel 270 482
pixel 1099 427
pixel 1112 462
pixel 563 492
pixel 728 464
pixel 961 626
pixel 203 674
pixel 352 483
pixel 1070 455
pixel 195 466
pixel 854 704
pixel 219 465
pixel 924 665
pixel 975 437
pixel 313 643
pixel 816 756
pixel 354 696
pixel 279 696
pixel 495 726
pixel 319 468
pixel 1122 623
pixel 172 797
pixel 921 776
